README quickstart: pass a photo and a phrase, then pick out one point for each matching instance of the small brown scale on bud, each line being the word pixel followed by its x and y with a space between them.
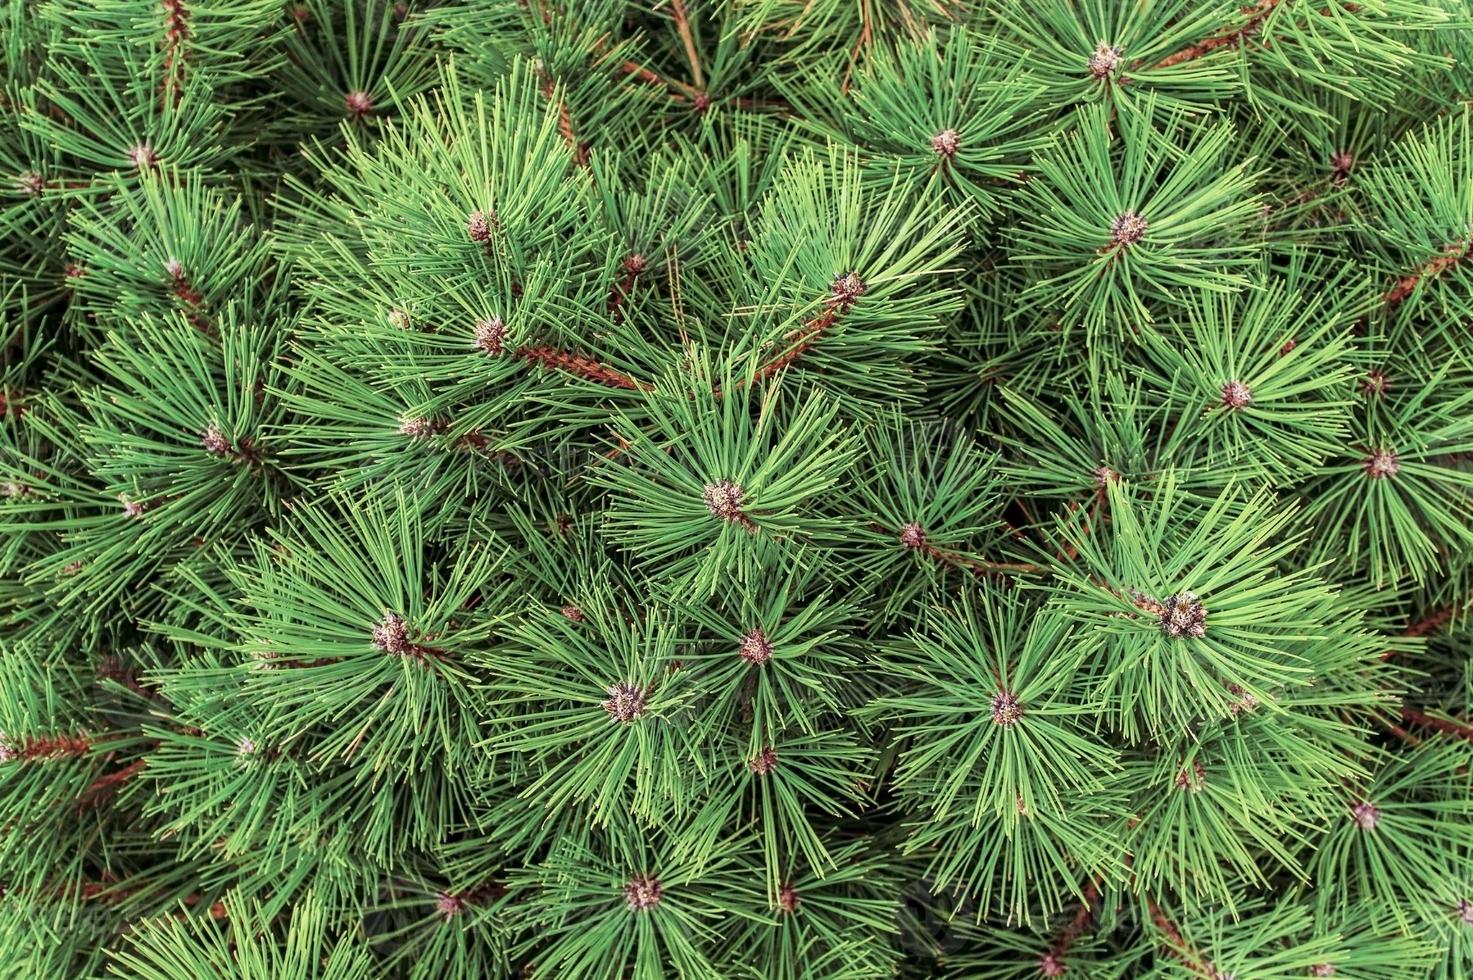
pixel 11 488
pixel 1193 779
pixel 573 614
pixel 1006 708
pixel 142 156
pixel 449 906
pixel 755 648
pixel 174 269
pixel 635 264
pixel 912 536
pixel 132 508
pixel 1322 970
pixel 625 702
pixel 478 227
pixel 700 103
pixel 213 441
pixel 763 762
pixel 391 635
pixel 1104 62
pixel 1127 228
pixel 1382 464
pixel 358 104
pixel 420 428
pixel 946 143
pixel 1183 616
pixel 1465 911
pixel 30 184
pixel 847 289
pixel 1245 703
pixel 724 499
pixel 1104 476
pixel 1342 162
pixel 643 892
pixel 1051 965
pixel 787 898
pixel 1236 395
pixel 399 319
pixel 1365 815
pixel 491 336
pixel 1375 384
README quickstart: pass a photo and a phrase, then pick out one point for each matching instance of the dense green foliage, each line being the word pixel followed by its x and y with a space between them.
pixel 825 489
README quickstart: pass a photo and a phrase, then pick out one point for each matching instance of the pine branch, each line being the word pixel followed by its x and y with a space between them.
pixel 1053 963
pixel 560 360
pixel 176 35
pixel 1452 255
pixel 1178 946
pixel 917 542
pixel 1449 726
pixel 682 25
pixel 1232 38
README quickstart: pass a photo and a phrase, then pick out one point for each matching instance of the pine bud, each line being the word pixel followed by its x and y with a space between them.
pixel 30 184
pixel 573 614
pixel 625 702
pixel 1051 965
pixel 420 427
pixel 1381 464
pixel 643 892
pixel 1465 911
pixel 1375 384
pixel 1322 970
pixel 1104 61
pixel 945 143
pixel 787 898
pixel 478 227
pixel 724 499
pixel 755 648
pixel 399 319
pixel 1104 476
pixel 1342 162
pixel 214 442
pixel 1235 394
pixel 449 905
pixel 635 264
pixel 1365 815
pixel 11 488
pixel 700 103
pixel 132 508
pixel 391 635
pixel 847 288
pixel 1006 708
pixel 1127 228
pixel 763 762
pixel 1193 779
pixel 912 536
pixel 1183 616
pixel 142 156
pixel 491 336
pixel 358 103
pixel 174 269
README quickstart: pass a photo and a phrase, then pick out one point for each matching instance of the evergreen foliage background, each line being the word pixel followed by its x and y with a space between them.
pixel 768 488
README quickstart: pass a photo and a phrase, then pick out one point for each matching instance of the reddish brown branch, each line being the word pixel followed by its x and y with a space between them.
pixel 102 786
pixel 1448 726
pixel 634 266
pixel 1178 946
pixel 956 560
pixel 584 367
pixel 51 747
pixel 687 38
pixel 176 34
pixel 1258 14
pixel 1052 963
pixel 1407 285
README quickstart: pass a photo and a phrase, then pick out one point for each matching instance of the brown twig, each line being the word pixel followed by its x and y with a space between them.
pixel 1232 38
pixel 687 38
pixel 584 367
pixel 1448 726
pixel 1407 285
pixel 1177 945
pixel 956 560
pixel 176 34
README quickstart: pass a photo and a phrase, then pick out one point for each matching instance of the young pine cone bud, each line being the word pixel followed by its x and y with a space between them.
pixel 1365 815
pixel 142 156
pixel 763 762
pixel 946 142
pixel 625 702
pixel 755 648
pixel 1182 616
pixel 1104 61
pixel 1006 708
pixel 491 336
pixel 643 892
pixel 1382 464
pixel 1127 228
pixel 1235 394
pixel 391 635
pixel 358 104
